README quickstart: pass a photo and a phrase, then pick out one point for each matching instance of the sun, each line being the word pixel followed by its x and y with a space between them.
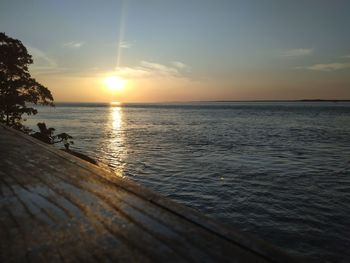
pixel 114 83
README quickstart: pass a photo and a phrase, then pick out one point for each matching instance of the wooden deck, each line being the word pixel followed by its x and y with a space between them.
pixel 55 207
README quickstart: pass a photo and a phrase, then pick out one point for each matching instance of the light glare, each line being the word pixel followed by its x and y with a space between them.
pixel 115 83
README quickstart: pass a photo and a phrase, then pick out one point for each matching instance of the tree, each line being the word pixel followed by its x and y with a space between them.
pixel 47 135
pixel 17 87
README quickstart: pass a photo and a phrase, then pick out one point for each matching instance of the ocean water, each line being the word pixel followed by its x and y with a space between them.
pixel 280 171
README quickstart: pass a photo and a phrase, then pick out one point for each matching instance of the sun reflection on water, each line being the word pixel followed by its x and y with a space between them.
pixel 115 152
pixel 116 119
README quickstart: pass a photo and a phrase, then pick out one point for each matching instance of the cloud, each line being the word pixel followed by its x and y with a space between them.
pixel 43 63
pixel 298 52
pixel 126 44
pixel 181 65
pixel 147 69
pixel 41 59
pixel 346 56
pixel 74 44
pixel 327 67
pixel 159 68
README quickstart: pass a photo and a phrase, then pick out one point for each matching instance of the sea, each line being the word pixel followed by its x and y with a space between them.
pixel 277 170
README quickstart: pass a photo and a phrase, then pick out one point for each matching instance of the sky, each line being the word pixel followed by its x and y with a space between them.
pixel 185 50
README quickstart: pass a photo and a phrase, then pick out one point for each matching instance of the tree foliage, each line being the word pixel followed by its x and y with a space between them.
pixel 47 135
pixel 18 89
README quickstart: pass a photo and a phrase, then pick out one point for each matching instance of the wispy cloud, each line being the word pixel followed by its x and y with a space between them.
pixel 346 56
pixel 298 52
pixel 126 44
pixel 40 58
pixel 147 69
pixel 159 68
pixel 181 65
pixel 43 63
pixel 74 44
pixel 327 67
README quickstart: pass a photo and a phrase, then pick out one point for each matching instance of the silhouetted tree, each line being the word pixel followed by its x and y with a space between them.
pixel 47 135
pixel 17 87
pixel 65 137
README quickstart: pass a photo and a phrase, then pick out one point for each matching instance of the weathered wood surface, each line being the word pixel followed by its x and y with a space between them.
pixel 57 208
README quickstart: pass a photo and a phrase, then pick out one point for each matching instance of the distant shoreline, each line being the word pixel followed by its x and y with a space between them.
pixel 205 101
pixel 303 100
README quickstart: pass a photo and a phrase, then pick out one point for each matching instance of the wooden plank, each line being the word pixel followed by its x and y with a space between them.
pixel 56 207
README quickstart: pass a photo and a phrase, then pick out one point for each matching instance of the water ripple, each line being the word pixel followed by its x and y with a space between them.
pixel 280 171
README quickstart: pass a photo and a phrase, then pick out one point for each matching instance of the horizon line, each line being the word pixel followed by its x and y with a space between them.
pixel 218 101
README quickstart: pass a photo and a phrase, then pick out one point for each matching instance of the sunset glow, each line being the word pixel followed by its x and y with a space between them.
pixel 114 83
pixel 144 52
